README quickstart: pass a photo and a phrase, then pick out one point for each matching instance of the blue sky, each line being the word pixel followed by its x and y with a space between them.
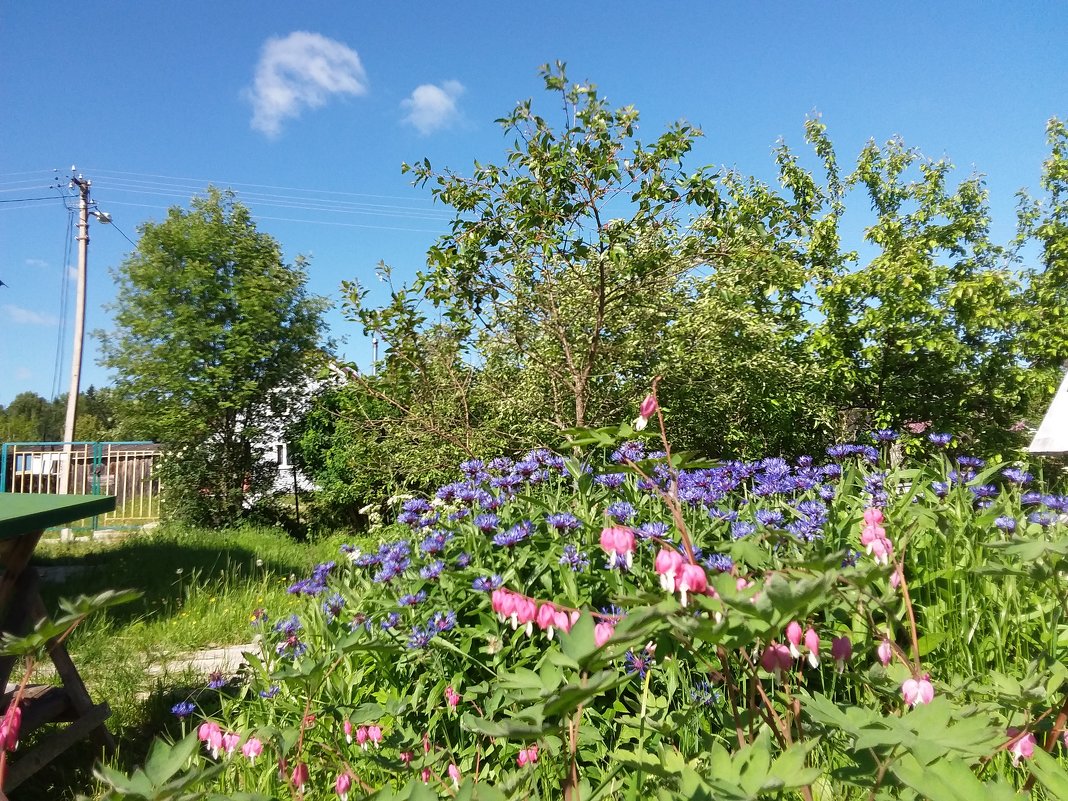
pixel 154 101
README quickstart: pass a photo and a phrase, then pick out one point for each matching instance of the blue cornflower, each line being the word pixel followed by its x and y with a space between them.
pixel 391 620
pixel 411 599
pixel 884 435
pixel 271 692
pixel 574 558
pixel 432 570
pixel 1056 503
pixel 742 528
pixel 940 440
pixel 984 491
pixel 940 488
pixel 487 523
pixel 655 529
pixel 769 518
pixel 435 542
pixel 513 536
pixel 630 451
pixel 850 558
pixel 1017 475
pixel 719 562
pixel 488 583
pixel 216 680
pixel 1006 523
pixel 463 560
pixel 501 464
pixel 443 621
pixel 973 462
pixel 420 638
pixel 332 606
pixel 472 467
pixel 638 662
pixel 826 492
pixel 704 693
pixel 390 570
pixel 367 560
pixel 184 709
pixel 610 480
pixel 1031 498
pixel 1044 519
pixel 620 511
pixel 289 626
pixel 563 521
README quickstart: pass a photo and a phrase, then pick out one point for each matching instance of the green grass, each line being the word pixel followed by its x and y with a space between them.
pixel 199 590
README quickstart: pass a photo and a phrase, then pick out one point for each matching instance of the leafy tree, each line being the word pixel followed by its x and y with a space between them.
pixel 216 338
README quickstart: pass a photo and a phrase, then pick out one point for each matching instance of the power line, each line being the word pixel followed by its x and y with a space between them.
pixel 28 199
pixel 112 224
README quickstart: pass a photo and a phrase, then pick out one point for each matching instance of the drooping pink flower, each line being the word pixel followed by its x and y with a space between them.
pixel 229 743
pixel 252 749
pixel 812 645
pixel 299 777
pixel 374 734
pixel 1023 748
pixel 917 691
pixel 343 785
pixel 692 579
pixel 347 728
pixel 424 774
pixel 602 633
pixel 454 774
pixel 618 541
pixel 361 737
pixel 406 757
pixel 645 411
pixel 452 698
pixel 776 659
pixel 895 578
pixel 668 565
pixel 546 618
pixel 793 636
pixel 884 652
pixel 873 516
pixel 841 652
pixel 528 756
pixel 9 728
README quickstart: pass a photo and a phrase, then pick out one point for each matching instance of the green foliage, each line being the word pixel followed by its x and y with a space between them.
pixel 216 342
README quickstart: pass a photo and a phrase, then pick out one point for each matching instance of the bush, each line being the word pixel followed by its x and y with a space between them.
pixel 655 627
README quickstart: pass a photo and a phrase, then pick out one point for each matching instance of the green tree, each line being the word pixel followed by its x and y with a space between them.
pixel 216 340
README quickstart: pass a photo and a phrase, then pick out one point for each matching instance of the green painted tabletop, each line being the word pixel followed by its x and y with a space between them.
pixel 21 513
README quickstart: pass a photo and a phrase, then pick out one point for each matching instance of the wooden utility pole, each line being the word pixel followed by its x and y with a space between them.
pixel 83 185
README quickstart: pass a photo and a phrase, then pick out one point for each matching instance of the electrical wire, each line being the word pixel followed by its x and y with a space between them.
pixel 28 199
pixel 112 224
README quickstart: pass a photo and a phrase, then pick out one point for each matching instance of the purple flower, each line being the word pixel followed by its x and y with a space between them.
pixel 940 488
pixel 432 570
pixel 463 560
pixel 1031 498
pixel 1006 523
pixel 1017 476
pixel 742 528
pixel 984 491
pixel 973 462
pixel 391 620
pixel 631 451
pixel 638 662
pixel 332 606
pixel 769 518
pixel 435 542
pixel 719 562
pixel 184 709
pixel 1044 519
pixel 563 521
pixel 656 529
pixel 216 680
pixel 443 621
pixel 574 558
pixel 289 626
pixel 940 440
pixel 412 599
pixel 270 692
pixel 420 638
pixel 620 511
pixel 487 523
pixel 488 583
pixel 850 558
pixel 610 480
pixel 884 435
pixel 513 536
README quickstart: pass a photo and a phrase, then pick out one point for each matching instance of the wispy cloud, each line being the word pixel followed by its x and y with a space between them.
pixel 299 71
pixel 23 373
pixel 21 316
pixel 36 264
pixel 431 107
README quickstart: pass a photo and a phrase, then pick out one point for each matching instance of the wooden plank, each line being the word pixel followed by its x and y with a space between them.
pixel 41 704
pixel 28 763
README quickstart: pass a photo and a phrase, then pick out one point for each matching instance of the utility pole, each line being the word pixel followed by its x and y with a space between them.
pixel 82 185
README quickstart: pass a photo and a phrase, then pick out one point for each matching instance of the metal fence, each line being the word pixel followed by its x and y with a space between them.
pixel 122 469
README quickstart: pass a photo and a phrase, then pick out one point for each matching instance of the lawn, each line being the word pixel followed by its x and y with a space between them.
pixel 199 590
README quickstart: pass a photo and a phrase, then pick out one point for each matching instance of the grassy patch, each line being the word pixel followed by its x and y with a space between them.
pixel 200 588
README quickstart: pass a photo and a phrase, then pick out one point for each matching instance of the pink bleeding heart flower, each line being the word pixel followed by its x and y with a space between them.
pixel 528 756
pixel 361 737
pixel 229 743
pixel 452 698
pixel 668 565
pixel 252 749
pixel 347 728
pixel 1022 748
pixel 454 774
pixel 343 785
pixel 299 777
pixel 424 774
pixel 645 412
pixel 917 691
pixel 618 541
pixel 406 757
pixel 374 734
pixel 793 636
pixel 873 516
pixel 692 579
pixel 776 659
pixel 812 645
pixel 546 618
pixel 841 652
pixel 884 652
pixel 9 728
pixel 602 633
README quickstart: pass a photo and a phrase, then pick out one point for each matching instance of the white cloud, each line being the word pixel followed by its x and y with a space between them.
pixel 36 264
pixel 20 316
pixel 302 70
pixel 433 107
pixel 23 373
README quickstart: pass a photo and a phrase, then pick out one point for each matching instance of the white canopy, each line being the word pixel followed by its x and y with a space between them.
pixel 1052 435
